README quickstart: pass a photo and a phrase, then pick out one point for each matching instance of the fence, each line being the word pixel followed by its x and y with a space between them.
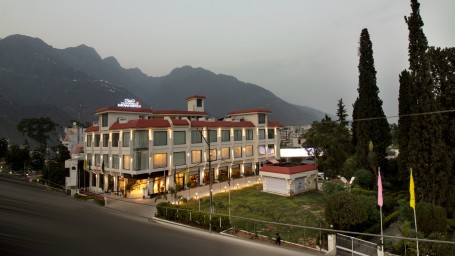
pixel 348 245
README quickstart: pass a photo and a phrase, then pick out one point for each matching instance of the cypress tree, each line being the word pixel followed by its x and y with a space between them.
pixel 369 122
pixel 342 113
pixel 405 100
pixel 427 151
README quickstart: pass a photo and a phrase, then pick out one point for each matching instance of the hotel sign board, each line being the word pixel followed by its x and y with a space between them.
pixel 129 103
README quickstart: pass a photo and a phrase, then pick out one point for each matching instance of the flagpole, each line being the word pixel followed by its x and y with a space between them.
pixel 412 202
pixel 380 203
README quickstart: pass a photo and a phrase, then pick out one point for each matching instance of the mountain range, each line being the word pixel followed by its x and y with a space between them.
pixel 38 80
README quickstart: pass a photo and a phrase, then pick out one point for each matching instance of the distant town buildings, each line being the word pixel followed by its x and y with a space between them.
pixel 144 151
pixel 292 136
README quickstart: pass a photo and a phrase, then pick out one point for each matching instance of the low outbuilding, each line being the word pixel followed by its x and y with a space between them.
pixel 289 179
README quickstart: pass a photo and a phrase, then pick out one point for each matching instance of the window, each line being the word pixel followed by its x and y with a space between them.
pixel 213 136
pixel 106 140
pixel 213 155
pixel 141 139
pixel 270 149
pixel 196 137
pixel 249 134
pixel 179 137
pixel 89 161
pixel 179 158
pixel 237 152
pixel 126 162
pixel 196 156
pixel 225 153
pixel 97 140
pixel 104 120
pixel 159 160
pixel 225 135
pixel 261 149
pixel 199 103
pixel 261 118
pixel 115 161
pixel 271 133
pixel 160 138
pixel 237 135
pixel 97 160
pixel 141 160
pixel 262 134
pixel 115 139
pixel 106 160
pixel 89 140
pixel 249 151
pixel 126 139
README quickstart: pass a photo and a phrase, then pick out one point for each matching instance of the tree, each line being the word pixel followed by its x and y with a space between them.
pixel 39 129
pixel 333 140
pixel 3 147
pixel 405 100
pixel 369 122
pixel 18 157
pixel 431 218
pixel 342 113
pixel 427 151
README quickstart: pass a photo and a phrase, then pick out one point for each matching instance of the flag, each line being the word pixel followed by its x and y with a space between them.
pixel 187 179
pixel 102 167
pixel 229 178
pixel 380 199
pixel 85 165
pixel 412 201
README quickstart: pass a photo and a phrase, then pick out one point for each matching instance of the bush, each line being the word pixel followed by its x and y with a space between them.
pixel 364 179
pixel 331 187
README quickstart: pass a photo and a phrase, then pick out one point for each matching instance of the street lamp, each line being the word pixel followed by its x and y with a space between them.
pixel 210 176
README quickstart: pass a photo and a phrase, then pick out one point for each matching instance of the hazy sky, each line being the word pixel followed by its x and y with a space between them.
pixel 304 51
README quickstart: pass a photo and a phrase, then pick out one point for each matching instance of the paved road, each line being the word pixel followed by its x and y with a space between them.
pixel 36 221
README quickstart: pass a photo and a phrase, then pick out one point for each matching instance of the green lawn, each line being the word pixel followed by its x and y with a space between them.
pixel 251 202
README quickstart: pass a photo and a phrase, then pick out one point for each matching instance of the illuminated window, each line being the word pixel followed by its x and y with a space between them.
pixel 179 158
pixel 225 153
pixel 159 160
pixel 237 135
pixel 225 135
pixel 249 134
pixel 213 155
pixel 237 152
pixel 270 149
pixel 160 138
pixel 261 149
pixel 249 150
pixel 179 137
pixel 126 139
pixel 196 156
pixel 126 162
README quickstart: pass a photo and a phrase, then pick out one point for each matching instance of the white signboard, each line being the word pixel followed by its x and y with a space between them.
pixel 129 103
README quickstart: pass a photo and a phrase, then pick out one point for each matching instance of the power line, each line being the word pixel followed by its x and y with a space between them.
pixel 406 115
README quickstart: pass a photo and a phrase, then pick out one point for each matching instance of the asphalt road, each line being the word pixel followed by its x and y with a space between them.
pixel 37 221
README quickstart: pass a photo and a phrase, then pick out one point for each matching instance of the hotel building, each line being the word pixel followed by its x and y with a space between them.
pixel 144 151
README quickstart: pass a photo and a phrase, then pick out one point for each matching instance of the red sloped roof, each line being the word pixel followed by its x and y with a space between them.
pixel 179 112
pixel 92 128
pixel 140 123
pixel 274 124
pixel 180 122
pixel 221 124
pixel 124 109
pixel 249 111
pixel 288 170
pixel 195 97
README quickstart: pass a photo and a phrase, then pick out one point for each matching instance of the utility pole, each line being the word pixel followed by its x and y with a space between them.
pixel 210 175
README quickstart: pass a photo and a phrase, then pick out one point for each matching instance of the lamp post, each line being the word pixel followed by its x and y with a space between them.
pixel 210 175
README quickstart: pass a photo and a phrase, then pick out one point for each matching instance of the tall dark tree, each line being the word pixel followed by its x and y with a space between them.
pixel 405 101
pixel 427 152
pixel 3 147
pixel 39 129
pixel 342 113
pixel 369 122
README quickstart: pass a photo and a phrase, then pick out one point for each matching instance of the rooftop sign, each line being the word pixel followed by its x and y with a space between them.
pixel 129 103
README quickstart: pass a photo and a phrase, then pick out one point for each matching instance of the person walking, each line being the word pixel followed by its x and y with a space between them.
pixel 278 239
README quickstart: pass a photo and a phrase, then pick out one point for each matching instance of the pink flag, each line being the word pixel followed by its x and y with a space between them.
pixel 380 200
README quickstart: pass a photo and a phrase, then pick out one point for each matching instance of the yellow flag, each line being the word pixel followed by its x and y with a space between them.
pixel 412 201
